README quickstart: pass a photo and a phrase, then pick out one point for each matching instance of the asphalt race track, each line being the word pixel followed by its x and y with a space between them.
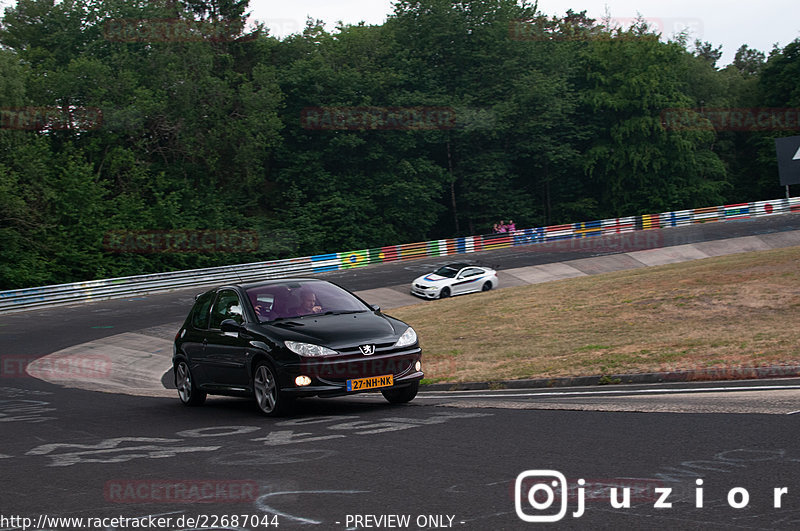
pixel 716 455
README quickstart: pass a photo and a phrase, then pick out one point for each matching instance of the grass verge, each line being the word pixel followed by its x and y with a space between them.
pixel 734 311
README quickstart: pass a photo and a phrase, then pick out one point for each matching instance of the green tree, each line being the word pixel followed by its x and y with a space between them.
pixel 461 55
pixel 707 52
pixel 638 166
pixel 748 61
pixel 342 188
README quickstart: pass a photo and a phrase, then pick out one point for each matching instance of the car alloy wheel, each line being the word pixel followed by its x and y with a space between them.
pixel 269 398
pixel 486 286
pixel 444 293
pixel 187 392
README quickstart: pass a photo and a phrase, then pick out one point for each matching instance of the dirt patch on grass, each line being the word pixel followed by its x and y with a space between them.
pixel 734 311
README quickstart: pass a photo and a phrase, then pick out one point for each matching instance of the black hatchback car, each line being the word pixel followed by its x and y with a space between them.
pixel 282 339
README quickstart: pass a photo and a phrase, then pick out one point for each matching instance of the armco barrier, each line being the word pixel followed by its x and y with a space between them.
pixel 22 299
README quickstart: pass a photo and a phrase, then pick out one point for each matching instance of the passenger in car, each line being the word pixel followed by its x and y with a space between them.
pixel 262 313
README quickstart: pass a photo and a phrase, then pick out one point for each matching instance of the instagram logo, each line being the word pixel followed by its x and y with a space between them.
pixel 536 489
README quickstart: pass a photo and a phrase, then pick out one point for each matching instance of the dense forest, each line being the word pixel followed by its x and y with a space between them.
pixel 131 116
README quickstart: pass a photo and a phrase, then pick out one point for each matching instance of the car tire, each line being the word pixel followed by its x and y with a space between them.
pixel 444 293
pixel 486 286
pixel 269 399
pixel 189 394
pixel 401 395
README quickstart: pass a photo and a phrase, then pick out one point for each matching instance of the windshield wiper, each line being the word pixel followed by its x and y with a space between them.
pixel 329 312
pixel 282 320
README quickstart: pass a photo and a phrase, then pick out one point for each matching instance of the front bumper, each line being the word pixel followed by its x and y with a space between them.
pixel 430 293
pixel 329 376
pixel 330 390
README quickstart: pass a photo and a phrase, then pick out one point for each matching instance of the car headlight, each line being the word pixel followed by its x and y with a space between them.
pixel 309 350
pixel 409 337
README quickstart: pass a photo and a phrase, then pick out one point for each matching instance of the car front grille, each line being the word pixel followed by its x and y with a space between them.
pixel 380 348
pixel 338 374
pixel 339 370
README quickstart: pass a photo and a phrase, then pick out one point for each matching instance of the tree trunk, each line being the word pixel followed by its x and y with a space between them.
pixel 452 188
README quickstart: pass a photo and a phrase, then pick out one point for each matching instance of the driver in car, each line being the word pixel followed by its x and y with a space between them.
pixel 308 303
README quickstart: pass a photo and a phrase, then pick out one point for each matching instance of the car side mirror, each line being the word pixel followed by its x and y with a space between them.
pixel 375 307
pixel 229 325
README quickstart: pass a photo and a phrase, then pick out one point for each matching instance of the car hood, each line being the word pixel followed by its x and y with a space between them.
pixel 432 279
pixel 338 331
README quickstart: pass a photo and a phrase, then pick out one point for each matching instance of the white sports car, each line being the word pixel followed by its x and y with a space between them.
pixel 454 279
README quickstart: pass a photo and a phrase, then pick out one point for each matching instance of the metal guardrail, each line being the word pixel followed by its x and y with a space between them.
pixel 24 299
pixel 15 300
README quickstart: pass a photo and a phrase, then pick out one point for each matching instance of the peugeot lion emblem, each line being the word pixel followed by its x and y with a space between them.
pixel 367 350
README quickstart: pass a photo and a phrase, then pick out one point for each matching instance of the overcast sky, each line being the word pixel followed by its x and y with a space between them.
pixel 731 24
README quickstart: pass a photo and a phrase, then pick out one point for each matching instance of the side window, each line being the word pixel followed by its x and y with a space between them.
pixel 472 272
pixel 227 306
pixel 200 311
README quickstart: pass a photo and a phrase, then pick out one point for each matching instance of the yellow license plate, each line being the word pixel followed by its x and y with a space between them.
pixel 359 384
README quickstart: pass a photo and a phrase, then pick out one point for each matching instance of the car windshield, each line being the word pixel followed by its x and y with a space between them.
pixel 447 271
pixel 297 299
